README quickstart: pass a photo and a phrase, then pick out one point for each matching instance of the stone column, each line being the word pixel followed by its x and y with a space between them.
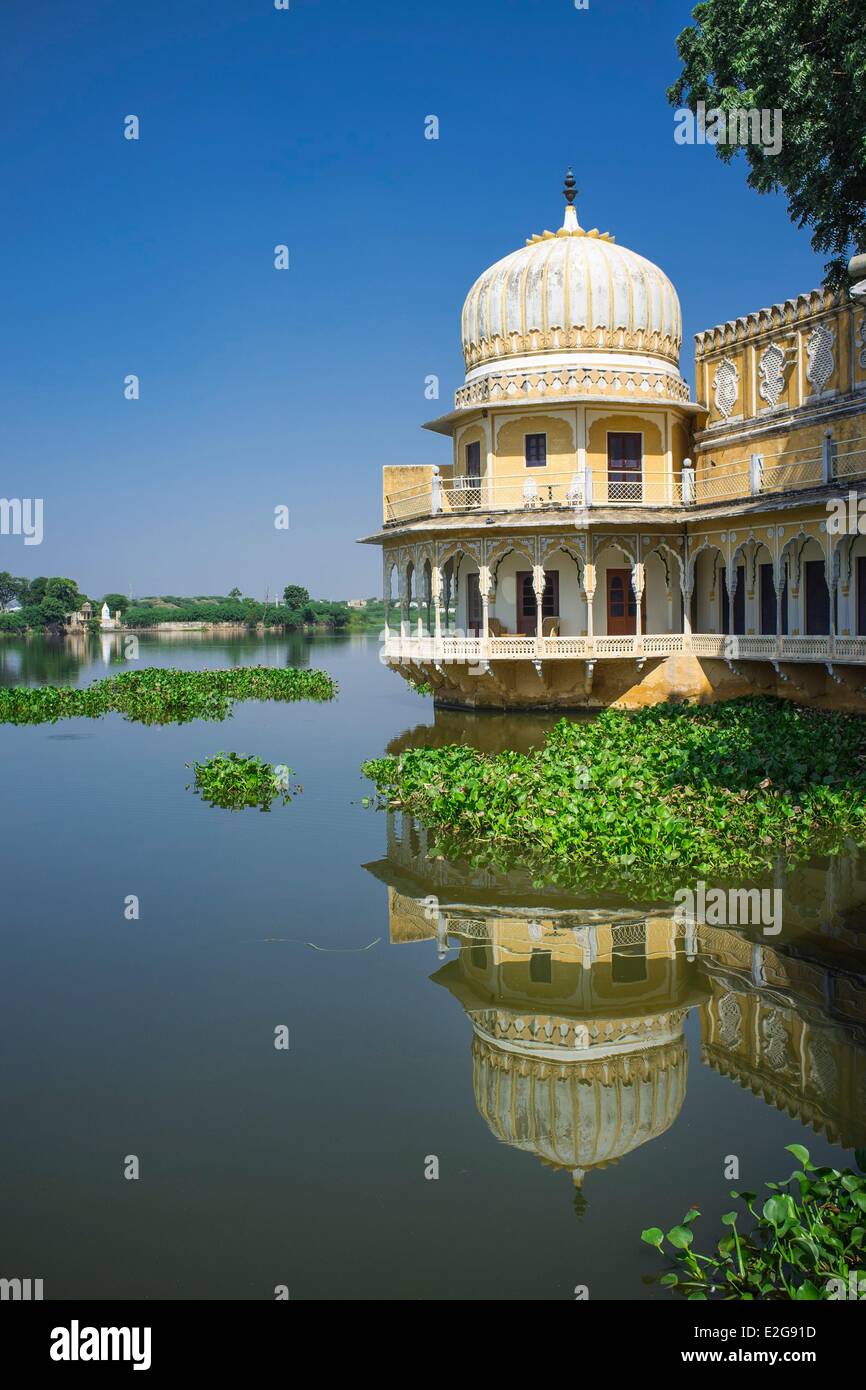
pixel 386 593
pixel 484 589
pixel 437 598
pixel 687 584
pixel 795 625
pixel 538 589
pixel 847 618
pixel 637 583
pixel 829 571
pixel 404 605
pixel 589 591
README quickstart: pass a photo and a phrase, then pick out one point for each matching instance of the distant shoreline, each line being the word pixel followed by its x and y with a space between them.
pixel 189 627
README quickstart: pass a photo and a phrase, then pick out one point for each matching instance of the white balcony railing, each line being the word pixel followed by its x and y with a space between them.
pixel 540 490
pixel 455 647
pixel 533 490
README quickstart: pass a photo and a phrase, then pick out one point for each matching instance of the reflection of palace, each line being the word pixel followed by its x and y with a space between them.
pixel 578 1011
pixel 790 1027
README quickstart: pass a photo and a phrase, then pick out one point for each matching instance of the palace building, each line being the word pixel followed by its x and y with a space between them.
pixel 598 537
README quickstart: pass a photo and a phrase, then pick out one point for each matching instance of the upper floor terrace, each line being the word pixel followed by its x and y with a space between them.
pixel 824 459
pixel 781 411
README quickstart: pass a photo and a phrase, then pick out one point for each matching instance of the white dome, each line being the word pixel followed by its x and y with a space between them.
pixel 571 291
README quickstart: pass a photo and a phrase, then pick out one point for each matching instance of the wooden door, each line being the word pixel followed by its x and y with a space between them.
pixel 817 600
pixel 526 616
pixel 739 603
pixel 473 464
pixel 624 467
pixel 622 604
pixel 474 617
pixel 768 602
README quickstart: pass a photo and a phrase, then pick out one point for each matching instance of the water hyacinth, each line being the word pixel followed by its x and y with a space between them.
pixel 807 1241
pixel 235 781
pixel 157 695
pixel 644 798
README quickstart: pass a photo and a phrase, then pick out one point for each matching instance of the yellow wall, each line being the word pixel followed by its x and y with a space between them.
pixel 561 443
pixel 652 429
pixel 789 326
pixel 472 434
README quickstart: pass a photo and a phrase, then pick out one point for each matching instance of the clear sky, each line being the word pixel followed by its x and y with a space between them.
pixel 306 127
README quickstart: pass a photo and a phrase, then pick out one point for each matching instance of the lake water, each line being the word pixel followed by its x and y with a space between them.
pixel 577 1071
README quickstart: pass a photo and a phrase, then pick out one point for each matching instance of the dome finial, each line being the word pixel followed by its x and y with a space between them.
pixel 569 188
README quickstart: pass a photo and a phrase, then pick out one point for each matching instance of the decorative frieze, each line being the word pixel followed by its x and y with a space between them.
pixel 771 373
pixel 820 358
pixel 569 382
pixel 726 383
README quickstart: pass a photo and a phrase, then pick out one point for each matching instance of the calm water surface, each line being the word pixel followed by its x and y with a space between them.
pixel 578 1070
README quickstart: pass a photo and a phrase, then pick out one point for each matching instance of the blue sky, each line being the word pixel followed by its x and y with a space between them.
pixel 306 127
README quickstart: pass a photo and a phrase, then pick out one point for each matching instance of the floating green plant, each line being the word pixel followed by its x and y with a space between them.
pixel 235 781
pixel 806 1244
pixel 157 695
pixel 645 798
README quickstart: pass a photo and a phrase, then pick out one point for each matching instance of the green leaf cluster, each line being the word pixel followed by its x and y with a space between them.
pixel 236 781
pixel 159 695
pixel 807 1241
pixel 643 797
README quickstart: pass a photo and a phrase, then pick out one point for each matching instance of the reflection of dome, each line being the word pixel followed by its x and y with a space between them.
pixel 579 1115
pixel 571 292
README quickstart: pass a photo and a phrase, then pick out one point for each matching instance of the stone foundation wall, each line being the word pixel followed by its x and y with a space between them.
pixel 626 684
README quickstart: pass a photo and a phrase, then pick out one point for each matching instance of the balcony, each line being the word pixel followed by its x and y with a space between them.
pixel 454 647
pixel 412 493
pixel 530 491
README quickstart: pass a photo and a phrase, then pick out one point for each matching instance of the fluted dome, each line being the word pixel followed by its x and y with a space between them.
pixel 572 302
pixel 571 290
pixel 579 1115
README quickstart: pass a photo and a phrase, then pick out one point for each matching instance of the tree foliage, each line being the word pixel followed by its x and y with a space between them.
pixel 9 589
pixel 65 591
pixel 808 60
pixel 53 611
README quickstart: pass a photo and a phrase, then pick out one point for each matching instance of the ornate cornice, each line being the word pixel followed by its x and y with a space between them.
pixel 790 314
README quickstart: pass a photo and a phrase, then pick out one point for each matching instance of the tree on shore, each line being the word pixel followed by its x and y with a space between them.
pixel 36 590
pixel 65 591
pixel 53 611
pixel 807 61
pixel 10 588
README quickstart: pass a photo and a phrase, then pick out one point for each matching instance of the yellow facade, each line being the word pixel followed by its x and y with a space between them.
pixel 719 500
